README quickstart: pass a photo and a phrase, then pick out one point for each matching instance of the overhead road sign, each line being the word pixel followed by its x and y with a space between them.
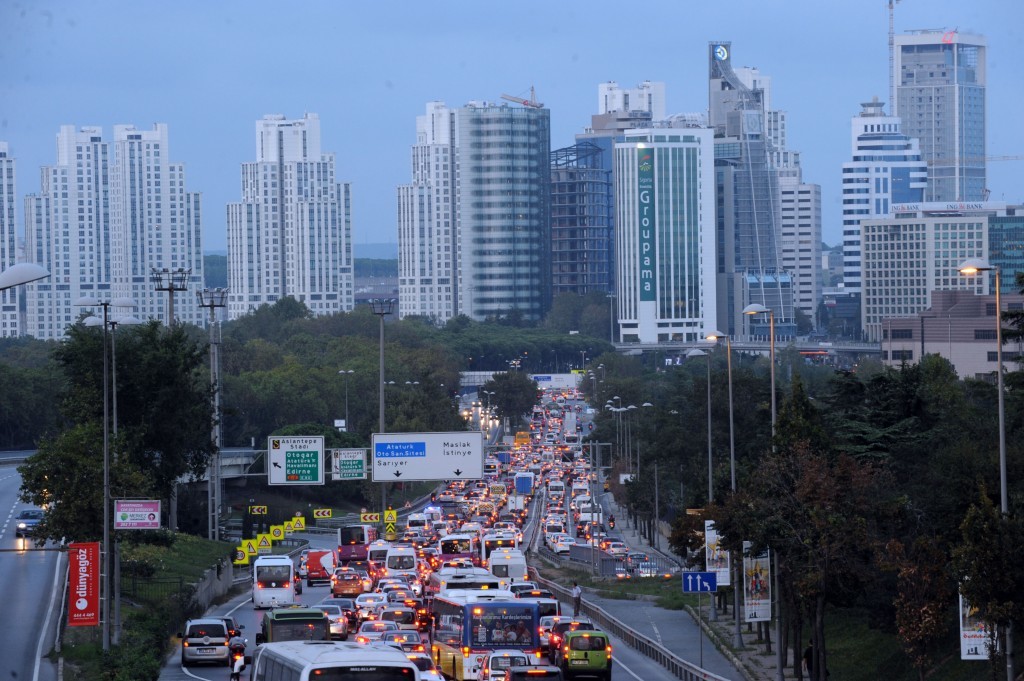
pixel 295 460
pixel 700 582
pixel 427 456
pixel 348 464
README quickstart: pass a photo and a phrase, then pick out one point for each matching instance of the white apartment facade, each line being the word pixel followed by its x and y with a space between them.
pixel 665 235
pixel 291 234
pixel 885 168
pixel 800 232
pixel 9 317
pixel 647 96
pixel 105 216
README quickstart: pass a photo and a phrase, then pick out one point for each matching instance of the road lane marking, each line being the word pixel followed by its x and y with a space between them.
pixel 46 622
pixel 626 669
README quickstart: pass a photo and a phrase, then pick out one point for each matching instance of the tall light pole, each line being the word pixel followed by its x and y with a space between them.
pixel 105 562
pixel 382 307
pixel 345 373
pixel 611 318
pixel 737 636
pixel 692 354
pixel 170 281
pixel 971 267
pixel 214 298
pixel 752 309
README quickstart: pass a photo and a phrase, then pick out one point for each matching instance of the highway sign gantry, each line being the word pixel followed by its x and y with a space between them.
pixel 295 460
pixel 700 582
pixel 427 456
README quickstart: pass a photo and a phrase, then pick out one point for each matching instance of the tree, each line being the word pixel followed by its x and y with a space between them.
pixel 165 414
pixel 515 393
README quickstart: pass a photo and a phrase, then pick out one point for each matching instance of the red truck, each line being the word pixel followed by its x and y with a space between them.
pixel 320 564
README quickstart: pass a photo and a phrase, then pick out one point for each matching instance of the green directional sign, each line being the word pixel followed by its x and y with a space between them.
pixel 295 460
pixel 348 464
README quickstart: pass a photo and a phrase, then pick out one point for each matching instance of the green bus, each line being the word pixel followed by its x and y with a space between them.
pixel 294 624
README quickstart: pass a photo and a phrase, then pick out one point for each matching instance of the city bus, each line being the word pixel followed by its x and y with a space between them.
pixel 294 624
pixel 273 580
pixel 353 541
pixel 453 546
pixel 467 625
pixel 448 578
pixel 311 660
pixel 496 540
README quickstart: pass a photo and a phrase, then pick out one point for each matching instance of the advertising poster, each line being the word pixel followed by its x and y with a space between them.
pixel 716 556
pixel 757 585
pixel 136 515
pixel 973 637
pixel 84 584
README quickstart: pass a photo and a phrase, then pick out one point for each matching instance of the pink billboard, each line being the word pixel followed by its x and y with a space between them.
pixel 136 515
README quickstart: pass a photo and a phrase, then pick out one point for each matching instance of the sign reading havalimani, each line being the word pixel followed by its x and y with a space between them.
pixel 136 515
pixel 645 203
pixel 84 584
pixel 348 464
pixel 757 585
pixel 428 456
pixel 295 460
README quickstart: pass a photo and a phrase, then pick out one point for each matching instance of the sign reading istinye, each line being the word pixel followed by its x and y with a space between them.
pixel 427 456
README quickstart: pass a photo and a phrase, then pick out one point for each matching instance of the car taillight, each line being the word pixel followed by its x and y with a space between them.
pixel 608 652
pixel 465 651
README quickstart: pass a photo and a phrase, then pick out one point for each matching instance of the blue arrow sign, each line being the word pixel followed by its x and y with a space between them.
pixel 700 582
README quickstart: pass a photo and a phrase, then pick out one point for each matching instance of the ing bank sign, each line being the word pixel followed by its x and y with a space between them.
pixel 645 203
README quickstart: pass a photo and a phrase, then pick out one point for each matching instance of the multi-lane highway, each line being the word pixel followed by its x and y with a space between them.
pixel 32 581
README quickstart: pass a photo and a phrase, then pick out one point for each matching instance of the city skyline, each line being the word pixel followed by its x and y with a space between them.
pixel 372 68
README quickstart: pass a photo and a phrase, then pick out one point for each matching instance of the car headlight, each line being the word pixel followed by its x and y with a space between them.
pixel 21 526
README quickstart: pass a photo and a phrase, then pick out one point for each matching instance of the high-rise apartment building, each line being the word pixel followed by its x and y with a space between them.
pixel 800 231
pixel 665 235
pixel 647 96
pixel 9 317
pixel 474 227
pixel 940 81
pixel 105 216
pixel 291 234
pixel 885 168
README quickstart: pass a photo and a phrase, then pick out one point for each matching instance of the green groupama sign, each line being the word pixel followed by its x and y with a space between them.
pixel 645 202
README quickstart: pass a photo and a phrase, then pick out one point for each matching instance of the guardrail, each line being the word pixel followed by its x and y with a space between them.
pixel 679 667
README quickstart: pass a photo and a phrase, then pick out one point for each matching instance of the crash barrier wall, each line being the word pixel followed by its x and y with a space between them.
pixel 679 667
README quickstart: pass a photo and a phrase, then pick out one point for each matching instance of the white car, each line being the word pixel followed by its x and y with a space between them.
pixel 560 543
pixel 617 549
pixel 423 662
pixel 497 661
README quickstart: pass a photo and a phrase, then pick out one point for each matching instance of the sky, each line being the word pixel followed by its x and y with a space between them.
pixel 210 70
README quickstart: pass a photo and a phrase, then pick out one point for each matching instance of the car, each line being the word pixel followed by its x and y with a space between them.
pixel 348 606
pixel 647 569
pixel 26 521
pixel 374 631
pixel 497 661
pixel 403 616
pixel 205 639
pixel 544 628
pixel 409 641
pixel 234 628
pixel 559 629
pixel 428 671
pixel 617 549
pixel 586 652
pixel 366 604
pixel 337 620
pixel 346 584
pixel 533 673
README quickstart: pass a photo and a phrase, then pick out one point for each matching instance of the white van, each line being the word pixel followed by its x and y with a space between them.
pixel 401 561
pixel 556 489
pixel 416 521
pixel 508 566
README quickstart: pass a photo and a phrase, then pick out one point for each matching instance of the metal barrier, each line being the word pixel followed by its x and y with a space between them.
pixel 679 667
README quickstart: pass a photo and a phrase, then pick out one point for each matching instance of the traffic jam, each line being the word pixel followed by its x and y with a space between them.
pixel 452 589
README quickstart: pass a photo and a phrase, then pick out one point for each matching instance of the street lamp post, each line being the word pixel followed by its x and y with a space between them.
pixel 170 281
pixel 346 373
pixel 752 309
pixel 382 307
pixel 737 637
pixel 214 298
pixel 711 486
pixel 970 267
pixel 105 562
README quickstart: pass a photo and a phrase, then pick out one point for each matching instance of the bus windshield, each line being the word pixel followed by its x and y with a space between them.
pixel 299 630
pixel 273 576
pixel 352 535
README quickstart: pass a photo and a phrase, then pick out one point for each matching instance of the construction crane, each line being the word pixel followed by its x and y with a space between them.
pixel 531 102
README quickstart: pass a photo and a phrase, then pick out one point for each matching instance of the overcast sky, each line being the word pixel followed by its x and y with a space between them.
pixel 211 69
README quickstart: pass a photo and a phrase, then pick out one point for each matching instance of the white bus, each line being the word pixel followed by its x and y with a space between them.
pixel 330 661
pixel 273 581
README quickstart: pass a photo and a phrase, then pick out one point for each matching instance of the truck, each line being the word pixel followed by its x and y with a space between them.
pixel 320 566
pixel 516 504
pixel 524 483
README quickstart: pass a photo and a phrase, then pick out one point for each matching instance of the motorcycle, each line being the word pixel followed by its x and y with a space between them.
pixel 611 523
pixel 236 655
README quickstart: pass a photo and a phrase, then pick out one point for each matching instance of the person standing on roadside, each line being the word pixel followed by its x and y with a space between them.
pixel 577 595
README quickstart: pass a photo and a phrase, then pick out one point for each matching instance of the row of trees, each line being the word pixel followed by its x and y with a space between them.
pixel 879 472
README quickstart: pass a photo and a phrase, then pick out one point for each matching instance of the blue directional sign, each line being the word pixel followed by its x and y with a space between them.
pixel 699 582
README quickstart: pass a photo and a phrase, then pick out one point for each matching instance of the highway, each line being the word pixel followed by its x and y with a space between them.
pixel 32 593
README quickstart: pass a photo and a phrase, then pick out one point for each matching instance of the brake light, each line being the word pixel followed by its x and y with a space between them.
pixel 465 651
pixel 184 644
pixel 608 652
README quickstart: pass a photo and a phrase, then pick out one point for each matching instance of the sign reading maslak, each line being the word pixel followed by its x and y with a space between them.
pixel 295 460
pixel 136 515
pixel 84 584
pixel 428 456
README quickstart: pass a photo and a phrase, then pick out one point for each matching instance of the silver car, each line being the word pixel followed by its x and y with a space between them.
pixel 205 640
pixel 337 618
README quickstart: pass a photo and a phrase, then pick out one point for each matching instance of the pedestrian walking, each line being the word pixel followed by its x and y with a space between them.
pixel 577 595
